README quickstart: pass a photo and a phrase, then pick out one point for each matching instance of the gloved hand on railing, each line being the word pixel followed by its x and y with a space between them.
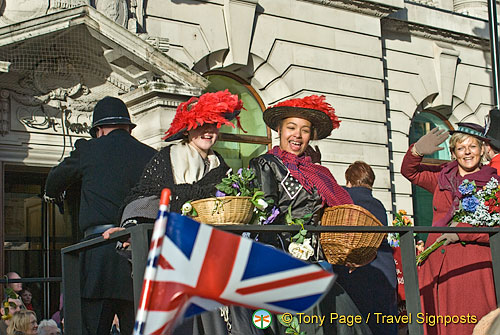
pixel 429 143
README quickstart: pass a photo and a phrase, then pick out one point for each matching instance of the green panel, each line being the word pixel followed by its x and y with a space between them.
pixel 235 154
pixel 422 206
pixel 251 116
pixel 422 123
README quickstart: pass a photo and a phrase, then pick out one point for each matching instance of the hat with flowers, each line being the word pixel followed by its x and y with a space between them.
pixel 213 108
pixel 313 108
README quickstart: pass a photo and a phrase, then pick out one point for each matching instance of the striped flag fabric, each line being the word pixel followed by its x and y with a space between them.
pixel 194 267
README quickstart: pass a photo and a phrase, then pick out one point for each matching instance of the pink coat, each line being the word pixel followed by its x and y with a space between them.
pixel 455 280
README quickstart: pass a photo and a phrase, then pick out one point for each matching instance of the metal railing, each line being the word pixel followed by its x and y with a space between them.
pixel 140 238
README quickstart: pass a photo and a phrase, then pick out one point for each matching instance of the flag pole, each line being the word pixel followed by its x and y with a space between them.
pixel 151 268
pixel 493 29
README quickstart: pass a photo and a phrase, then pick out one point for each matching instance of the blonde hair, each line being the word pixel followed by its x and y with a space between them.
pixel 20 322
pixel 457 138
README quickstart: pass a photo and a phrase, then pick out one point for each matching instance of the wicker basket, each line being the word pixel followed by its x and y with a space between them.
pixel 357 248
pixel 225 210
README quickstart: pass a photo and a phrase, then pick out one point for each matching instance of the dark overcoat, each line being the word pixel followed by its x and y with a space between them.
pixel 108 167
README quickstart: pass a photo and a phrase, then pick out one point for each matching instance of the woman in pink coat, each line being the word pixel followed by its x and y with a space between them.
pixel 456 280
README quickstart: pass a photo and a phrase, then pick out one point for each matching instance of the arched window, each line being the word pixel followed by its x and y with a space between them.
pixel 422 123
pixel 234 145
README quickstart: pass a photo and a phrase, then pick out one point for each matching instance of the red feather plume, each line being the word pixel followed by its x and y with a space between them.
pixel 313 102
pixel 214 108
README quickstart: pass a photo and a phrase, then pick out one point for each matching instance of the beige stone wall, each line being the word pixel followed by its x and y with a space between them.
pixel 446 70
pixel 293 49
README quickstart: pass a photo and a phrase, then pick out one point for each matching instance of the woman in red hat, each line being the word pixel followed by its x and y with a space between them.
pixel 190 168
pixel 289 177
pixel 456 280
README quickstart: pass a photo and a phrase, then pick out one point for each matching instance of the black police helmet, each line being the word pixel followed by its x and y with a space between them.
pixel 110 111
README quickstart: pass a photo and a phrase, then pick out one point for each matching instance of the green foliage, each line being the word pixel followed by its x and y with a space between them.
pixel 301 235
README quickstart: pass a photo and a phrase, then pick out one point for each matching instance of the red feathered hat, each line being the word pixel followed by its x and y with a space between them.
pixel 313 108
pixel 216 108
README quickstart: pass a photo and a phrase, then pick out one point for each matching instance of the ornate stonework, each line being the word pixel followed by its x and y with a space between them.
pixel 359 6
pixel 435 33
pixel 4 112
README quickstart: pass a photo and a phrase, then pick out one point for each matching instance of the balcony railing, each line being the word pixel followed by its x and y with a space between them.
pixel 140 238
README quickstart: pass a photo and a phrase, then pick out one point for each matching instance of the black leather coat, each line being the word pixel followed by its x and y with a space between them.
pixel 278 184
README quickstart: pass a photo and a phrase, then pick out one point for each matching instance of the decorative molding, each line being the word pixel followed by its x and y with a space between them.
pixel 4 112
pixel 161 43
pixel 435 34
pixel 360 6
pixel 55 111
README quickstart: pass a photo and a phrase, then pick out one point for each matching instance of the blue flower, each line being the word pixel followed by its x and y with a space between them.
pixel 240 171
pixel 470 203
pixel 236 186
pixel 466 188
pixel 220 194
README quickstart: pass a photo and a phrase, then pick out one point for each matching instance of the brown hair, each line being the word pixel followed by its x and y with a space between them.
pixel 20 322
pixel 360 174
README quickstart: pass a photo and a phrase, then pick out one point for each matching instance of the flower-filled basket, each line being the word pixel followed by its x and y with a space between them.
pixel 237 201
pixel 223 210
pixel 355 248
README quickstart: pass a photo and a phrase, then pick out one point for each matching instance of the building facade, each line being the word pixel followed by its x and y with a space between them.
pixel 392 69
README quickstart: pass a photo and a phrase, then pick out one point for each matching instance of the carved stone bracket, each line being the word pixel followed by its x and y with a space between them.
pixel 4 112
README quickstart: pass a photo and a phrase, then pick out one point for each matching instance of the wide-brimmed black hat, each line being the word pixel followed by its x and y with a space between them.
pixel 312 108
pixel 470 128
pixel 110 111
pixel 492 130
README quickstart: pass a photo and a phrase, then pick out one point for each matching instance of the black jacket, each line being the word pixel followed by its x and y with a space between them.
pixel 373 286
pixel 108 168
pixel 277 183
pixel 158 175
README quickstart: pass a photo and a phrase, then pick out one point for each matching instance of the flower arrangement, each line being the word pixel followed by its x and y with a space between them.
pixel 242 184
pixel 400 219
pixel 478 207
pixel 300 247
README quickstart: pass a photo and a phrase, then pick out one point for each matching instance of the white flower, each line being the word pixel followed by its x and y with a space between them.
pixel 186 208
pixel 301 251
pixel 262 204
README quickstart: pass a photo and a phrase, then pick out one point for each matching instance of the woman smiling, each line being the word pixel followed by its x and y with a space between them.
pixel 457 278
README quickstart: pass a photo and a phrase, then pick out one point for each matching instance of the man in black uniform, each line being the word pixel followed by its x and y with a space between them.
pixel 107 166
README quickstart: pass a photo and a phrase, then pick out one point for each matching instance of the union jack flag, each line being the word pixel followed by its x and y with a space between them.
pixel 193 268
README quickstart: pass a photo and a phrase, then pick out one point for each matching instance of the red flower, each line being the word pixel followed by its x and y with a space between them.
pixel 313 102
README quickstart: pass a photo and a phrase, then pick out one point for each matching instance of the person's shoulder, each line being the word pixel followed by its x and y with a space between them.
pixel 265 158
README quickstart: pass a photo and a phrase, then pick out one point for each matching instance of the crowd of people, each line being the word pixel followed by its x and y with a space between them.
pixel 18 314
pixel 122 179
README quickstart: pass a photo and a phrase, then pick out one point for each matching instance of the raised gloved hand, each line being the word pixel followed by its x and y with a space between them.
pixel 429 143
pixel 314 154
pixel 448 238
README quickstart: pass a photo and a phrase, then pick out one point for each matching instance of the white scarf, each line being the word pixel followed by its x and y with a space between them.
pixel 188 166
